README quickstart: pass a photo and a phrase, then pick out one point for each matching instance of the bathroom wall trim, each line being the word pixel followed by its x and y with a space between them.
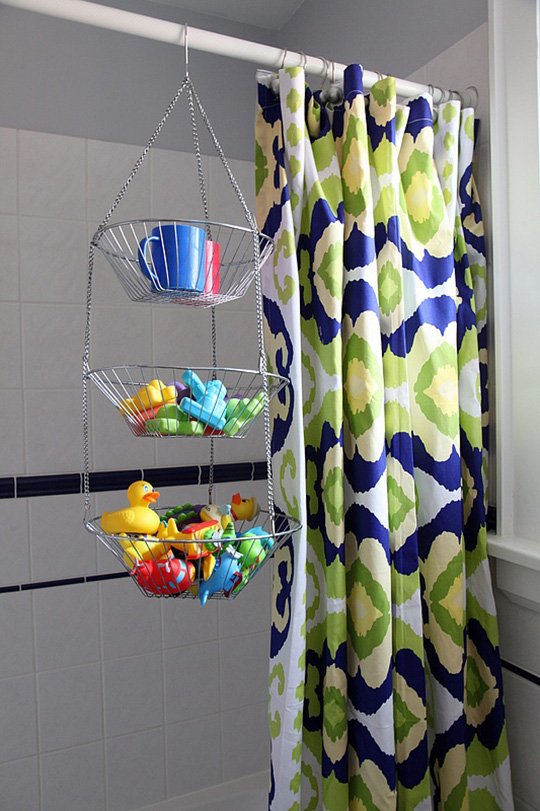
pixel 61 484
pixel 519 671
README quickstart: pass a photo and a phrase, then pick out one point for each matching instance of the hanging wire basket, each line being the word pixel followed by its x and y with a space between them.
pixel 213 569
pixel 194 262
pixel 173 401
pixel 201 263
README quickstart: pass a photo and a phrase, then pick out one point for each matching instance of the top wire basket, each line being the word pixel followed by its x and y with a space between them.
pixel 193 262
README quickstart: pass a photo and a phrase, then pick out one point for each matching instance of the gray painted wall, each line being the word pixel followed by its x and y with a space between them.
pixel 387 35
pixel 72 79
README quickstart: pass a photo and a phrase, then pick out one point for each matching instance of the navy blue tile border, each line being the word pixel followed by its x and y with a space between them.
pixel 170 476
pixel 7 487
pixel 60 484
pixel 519 671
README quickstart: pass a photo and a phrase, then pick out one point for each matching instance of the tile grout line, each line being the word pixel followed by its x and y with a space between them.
pixel 102 680
pixel 36 692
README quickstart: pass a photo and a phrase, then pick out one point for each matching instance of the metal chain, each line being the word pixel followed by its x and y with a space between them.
pixel 192 94
pixel 259 309
pixel 87 333
pixel 204 198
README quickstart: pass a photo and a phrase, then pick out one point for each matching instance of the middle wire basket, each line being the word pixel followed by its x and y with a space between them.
pixel 173 401
pixel 194 262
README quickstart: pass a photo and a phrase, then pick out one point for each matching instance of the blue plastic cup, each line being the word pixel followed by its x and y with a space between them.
pixel 177 257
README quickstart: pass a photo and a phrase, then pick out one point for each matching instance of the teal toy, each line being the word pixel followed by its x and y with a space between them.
pixel 170 420
pixel 209 404
pixel 267 541
pixel 240 412
pixel 225 577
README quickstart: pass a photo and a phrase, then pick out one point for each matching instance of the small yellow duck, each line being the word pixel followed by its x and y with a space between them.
pixel 244 509
pixel 152 396
pixel 138 518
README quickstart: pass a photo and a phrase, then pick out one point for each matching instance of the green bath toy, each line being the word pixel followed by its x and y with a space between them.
pixel 240 412
pixel 252 550
pixel 172 421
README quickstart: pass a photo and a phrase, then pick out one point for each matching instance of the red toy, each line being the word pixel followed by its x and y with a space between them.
pixel 168 576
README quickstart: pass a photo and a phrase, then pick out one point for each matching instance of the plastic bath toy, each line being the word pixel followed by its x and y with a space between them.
pixel 154 395
pixel 225 577
pixel 252 551
pixel 183 514
pixel 170 576
pixel 142 550
pixel 266 540
pixel 244 509
pixel 170 420
pixel 209 403
pixel 240 412
pixel 138 518
pixel 181 389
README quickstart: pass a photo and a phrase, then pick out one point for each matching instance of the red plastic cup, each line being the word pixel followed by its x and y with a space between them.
pixel 212 264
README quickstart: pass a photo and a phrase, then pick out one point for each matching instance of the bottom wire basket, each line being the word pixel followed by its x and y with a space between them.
pixel 189 558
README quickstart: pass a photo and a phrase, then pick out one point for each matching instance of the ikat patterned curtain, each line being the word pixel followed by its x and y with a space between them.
pixel 385 678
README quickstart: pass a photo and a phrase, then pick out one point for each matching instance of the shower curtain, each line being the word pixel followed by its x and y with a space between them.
pixel 385 679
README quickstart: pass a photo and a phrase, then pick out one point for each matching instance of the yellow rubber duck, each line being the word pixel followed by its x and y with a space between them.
pixel 138 518
pixel 143 550
pixel 152 396
pixel 244 509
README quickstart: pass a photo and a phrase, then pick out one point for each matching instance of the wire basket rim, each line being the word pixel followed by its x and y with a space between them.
pixel 156 367
pixel 102 228
pixel 295 525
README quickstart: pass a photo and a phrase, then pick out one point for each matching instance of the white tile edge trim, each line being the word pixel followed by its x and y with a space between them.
pixel 521 551
pixel 200 799
pixel 517 564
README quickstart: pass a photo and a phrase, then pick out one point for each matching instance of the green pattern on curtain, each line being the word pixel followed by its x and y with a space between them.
pixel 385 681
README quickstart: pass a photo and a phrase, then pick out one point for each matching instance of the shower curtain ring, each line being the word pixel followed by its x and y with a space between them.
pixel 283 58
pixel 186 49
pixel 304 60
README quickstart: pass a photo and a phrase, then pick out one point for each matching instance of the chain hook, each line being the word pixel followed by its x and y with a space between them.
pixel 186 49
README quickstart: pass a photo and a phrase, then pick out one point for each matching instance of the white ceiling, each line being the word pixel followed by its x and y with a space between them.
pixel 272 14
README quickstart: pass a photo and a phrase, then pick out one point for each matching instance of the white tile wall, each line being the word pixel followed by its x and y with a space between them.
pixel 70 707
pixel 133 694
pixel 9 242
pixel 19 784
pixel 17 640
pixel 193 755
pixel 191 681
pixel 245 746
pixel 67 626
pixel 135 770
pixel 15 543
pixel 18 715
pixel 59 545
pixel 52 176
pixel 113 701
pixel 74 778
pixel 9 194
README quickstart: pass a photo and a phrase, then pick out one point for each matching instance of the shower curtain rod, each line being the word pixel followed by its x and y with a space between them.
pixel 140 25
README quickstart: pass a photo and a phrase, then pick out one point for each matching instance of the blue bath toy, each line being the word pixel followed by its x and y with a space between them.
pixel 226 576
pixel 209 404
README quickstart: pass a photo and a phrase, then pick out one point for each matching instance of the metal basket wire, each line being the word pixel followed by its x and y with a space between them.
pixel 194 262
pixel 176 568
pixel 173 401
